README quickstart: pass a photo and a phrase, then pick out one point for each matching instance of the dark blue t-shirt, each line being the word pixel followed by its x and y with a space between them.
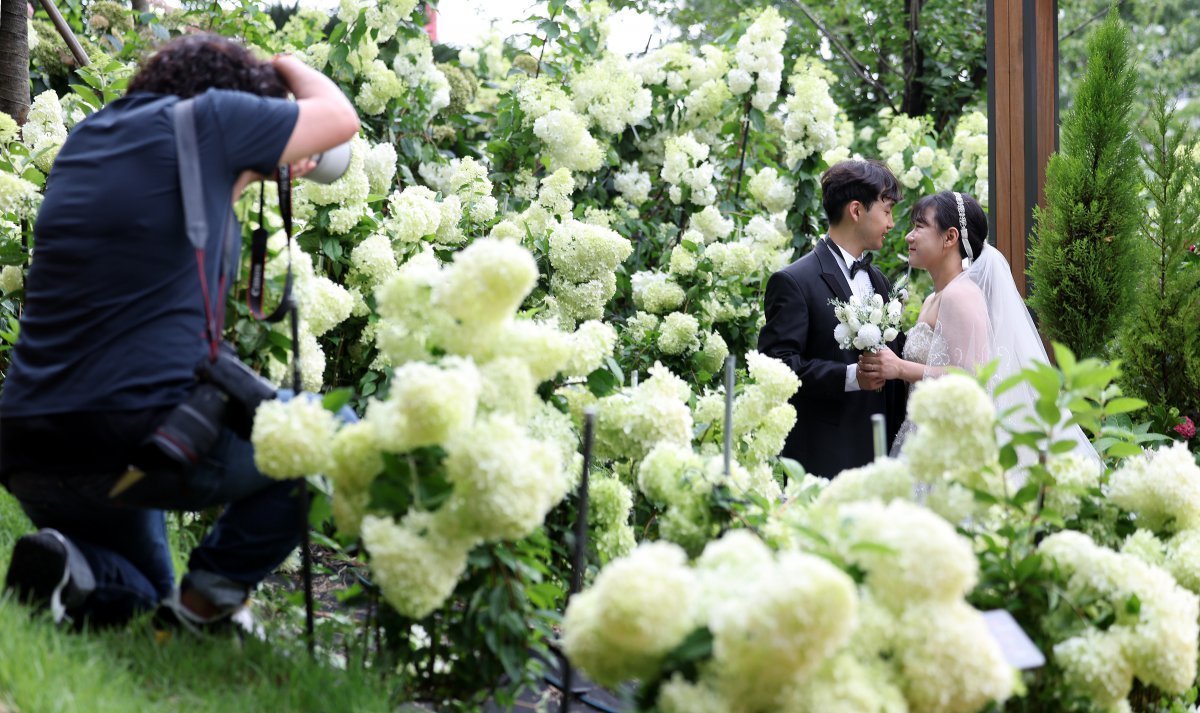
pixel 114 317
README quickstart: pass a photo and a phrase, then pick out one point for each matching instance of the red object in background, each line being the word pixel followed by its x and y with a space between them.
pixel 431 16
pixel 1187 429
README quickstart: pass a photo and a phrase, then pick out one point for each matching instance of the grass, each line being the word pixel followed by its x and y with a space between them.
pixel 44 668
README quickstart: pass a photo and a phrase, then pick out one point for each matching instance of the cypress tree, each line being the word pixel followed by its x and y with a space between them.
pixel 1160 346
pixel 1085 260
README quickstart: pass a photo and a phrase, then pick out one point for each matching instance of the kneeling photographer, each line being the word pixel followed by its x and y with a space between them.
pixel 104 400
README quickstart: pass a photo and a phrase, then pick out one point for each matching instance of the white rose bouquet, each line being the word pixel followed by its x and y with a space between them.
pixel 867 323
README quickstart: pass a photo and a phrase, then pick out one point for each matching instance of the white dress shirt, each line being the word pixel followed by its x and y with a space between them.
pixel 860 285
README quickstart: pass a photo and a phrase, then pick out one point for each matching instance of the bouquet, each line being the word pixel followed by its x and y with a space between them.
pixel 867 323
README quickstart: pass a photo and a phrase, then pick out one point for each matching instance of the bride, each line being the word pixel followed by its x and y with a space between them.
pixel 953 327
pixel 974 315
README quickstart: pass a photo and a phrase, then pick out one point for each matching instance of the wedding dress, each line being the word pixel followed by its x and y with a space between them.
pixel 980 316
pixel 952 331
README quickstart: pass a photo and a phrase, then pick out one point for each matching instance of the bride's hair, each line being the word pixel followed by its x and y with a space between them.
pixel 945 214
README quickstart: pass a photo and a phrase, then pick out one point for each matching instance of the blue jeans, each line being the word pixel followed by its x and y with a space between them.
pixel 124 537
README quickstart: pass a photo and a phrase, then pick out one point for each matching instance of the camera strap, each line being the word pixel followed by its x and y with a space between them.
pixel 258 253
pixel 195 220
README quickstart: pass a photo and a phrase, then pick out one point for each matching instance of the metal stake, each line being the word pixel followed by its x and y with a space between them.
pixel 579 550
pixel 730 361
pixel 879 432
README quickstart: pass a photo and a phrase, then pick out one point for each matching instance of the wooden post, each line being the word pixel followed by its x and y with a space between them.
pixel 1022 55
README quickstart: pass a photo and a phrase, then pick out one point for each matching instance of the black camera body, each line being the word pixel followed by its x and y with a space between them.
pixel 227 393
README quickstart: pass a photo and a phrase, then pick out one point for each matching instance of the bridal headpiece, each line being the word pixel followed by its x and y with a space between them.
pixel 962 225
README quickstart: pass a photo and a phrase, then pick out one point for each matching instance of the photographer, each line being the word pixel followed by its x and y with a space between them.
pixel 120 311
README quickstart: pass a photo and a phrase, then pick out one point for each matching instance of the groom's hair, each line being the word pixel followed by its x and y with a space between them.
pixel 856 180
pixel 945 215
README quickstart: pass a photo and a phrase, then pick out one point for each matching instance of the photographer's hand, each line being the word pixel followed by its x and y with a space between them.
pixel 326 118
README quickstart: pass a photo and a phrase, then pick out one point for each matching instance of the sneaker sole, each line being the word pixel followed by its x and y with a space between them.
pixel 38 572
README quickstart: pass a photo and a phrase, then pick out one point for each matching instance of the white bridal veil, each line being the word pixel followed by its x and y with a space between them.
pixel 1015 339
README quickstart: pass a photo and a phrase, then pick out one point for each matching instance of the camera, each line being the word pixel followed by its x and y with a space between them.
pixel 227 393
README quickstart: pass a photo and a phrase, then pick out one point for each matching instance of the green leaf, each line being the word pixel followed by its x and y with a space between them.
pixel 336 399
pixel 549 28
pixel 602 382
pixel 1123 450
pixel 1125 404
pixel 1060 447
pixel 1064 357
pixel 1028 567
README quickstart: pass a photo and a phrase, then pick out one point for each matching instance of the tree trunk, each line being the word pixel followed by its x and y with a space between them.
pixel 140 5
pixel 916 99
pixel 14 60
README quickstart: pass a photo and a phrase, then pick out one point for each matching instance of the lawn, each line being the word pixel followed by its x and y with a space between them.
pixel 44 668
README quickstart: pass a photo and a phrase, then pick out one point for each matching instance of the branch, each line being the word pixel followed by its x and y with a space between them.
pixel 1092 19
pixel 859 68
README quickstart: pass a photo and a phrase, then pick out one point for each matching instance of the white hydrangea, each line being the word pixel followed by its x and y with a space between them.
pixel 955 431
pixel 759 53
pixel 44 131
pixel 354 457
pixel 427 404
pixel 581 251
pixel 620 628
pixel 711 224
pixel 415 563
pixel 610 94
pixel 809 126
pixel 414 64
pixel 18 197
pixel 1162 487
pixel 486 282
pixel 568 143
pixel 949 662
pixel 539 96
pixel 685 166
pixel 634 420
pixel 292 439
pixel 786 619
pixel 712 355
pixel 323 303
pixel 12 278
pixel 885 479
pixel 771 190
pixel 380 166
pixel 504 481
pixel 1094 664
pixel 591 343
pixel 1074 476
pixel 632 183
pixel 373 260
pixel 928 561
pixel 413 214
pixel 656 292
pixel 679 334
pixel 1160 637
pixel 641 326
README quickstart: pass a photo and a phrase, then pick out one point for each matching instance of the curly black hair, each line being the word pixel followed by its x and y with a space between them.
pixel 190 65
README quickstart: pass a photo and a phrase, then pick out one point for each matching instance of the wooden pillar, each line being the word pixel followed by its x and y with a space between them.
pixel 1022 55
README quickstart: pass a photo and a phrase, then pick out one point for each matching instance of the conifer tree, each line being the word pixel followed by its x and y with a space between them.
pixel 1085 260
pixel 1160 346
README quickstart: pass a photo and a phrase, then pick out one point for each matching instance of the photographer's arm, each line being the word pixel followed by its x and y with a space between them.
pixel 326 118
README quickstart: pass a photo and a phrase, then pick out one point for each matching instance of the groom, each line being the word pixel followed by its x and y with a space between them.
pixel 835 402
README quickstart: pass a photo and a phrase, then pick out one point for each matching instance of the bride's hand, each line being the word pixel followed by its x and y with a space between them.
pixel 883 364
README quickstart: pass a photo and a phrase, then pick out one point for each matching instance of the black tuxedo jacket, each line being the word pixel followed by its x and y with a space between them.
pixel 833 426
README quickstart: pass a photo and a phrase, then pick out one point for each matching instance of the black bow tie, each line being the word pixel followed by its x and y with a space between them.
pixel 860 264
